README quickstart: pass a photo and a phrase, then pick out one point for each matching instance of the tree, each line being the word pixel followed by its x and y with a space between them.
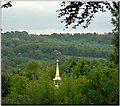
pixel 71 15
pixel 115 55
pixel 6 5
pixel 115 22
pixel 71 11
pixel 5 84
pixel 17 94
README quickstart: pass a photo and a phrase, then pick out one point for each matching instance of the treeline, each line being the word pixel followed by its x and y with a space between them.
pixel 19 47
pixel 83 82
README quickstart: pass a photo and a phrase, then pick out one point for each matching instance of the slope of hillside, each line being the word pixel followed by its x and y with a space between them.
pixel 19 47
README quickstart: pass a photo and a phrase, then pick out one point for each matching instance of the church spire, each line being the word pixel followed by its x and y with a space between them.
pixel 57 75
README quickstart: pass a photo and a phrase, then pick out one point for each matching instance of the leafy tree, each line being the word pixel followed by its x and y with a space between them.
pixel 83 82
pixel 71 11
pixel 20 47
pixel 115 55
pixel 99 85
pixel 6 5
pixel 100 88
pixel 18 84
pixel 32 70
pixel 115 22
pixel 41 90
pixel 5 84
pixel 88 9
pixel 71 15
pixel 17 91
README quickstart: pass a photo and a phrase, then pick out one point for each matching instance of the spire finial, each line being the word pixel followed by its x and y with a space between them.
pixel 57 60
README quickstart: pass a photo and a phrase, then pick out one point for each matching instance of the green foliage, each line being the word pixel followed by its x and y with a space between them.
pixel 115 55
pixel 32 70
pixel 42 91
pixel 17 91
pixel 20 47
pixel 115 21
pixel 5 84
pixel 101 86
pixel 88 82
pixel 18 84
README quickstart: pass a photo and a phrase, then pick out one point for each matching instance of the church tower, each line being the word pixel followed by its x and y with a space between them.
pixel 57 75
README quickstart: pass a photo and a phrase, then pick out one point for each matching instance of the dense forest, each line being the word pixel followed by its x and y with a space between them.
pixel 29 61
pixel 19 47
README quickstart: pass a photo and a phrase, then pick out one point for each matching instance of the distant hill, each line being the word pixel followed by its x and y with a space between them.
pixel 19 47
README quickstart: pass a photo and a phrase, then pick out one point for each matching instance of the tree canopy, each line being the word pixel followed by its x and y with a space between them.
pixel 7 5
pixel 19 47
pixel 83 81
pixel 77 13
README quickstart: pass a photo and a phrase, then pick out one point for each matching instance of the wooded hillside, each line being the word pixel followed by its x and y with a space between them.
pixel 19 47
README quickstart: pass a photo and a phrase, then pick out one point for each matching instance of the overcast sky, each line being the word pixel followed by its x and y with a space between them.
pixel 40 17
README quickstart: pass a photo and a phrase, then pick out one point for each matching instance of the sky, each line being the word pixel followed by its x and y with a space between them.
pixel 40 17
